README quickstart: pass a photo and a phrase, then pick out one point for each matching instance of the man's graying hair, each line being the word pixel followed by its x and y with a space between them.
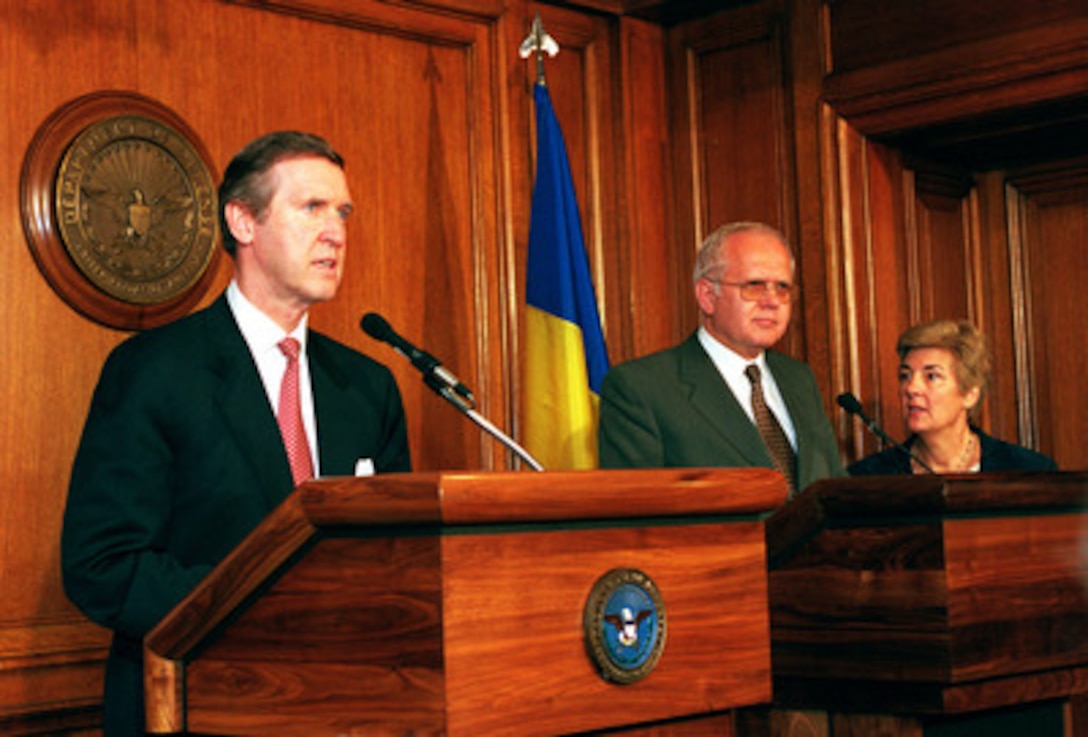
pixel 710 259
pixel 246 181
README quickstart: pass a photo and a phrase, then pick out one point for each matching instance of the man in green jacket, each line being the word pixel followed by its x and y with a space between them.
pixel 692 405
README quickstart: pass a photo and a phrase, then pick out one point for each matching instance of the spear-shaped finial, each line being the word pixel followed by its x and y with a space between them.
pixel 539 42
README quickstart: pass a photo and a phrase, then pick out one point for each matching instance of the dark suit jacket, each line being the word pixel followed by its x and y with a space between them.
pixel 672 408
pixel 996 455
pixel 181 457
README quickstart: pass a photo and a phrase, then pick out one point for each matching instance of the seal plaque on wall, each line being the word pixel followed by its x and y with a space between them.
pixel 119 208
pixel 625 625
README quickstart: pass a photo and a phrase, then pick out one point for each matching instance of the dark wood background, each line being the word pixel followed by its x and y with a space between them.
pixel 926 159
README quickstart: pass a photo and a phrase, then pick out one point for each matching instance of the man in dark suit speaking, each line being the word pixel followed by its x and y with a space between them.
pixel 721 398
pixel 198 429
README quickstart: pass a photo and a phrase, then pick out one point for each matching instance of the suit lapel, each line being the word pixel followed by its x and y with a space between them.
pixel 336 443
pixel 241 398
pixel 714 401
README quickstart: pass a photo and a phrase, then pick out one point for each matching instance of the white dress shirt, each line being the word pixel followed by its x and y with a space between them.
pixel 731 365
pixel 263 336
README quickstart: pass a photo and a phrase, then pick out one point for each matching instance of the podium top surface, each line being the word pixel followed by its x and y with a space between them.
pixel 466 498
pixel 865 500
pixel 438 501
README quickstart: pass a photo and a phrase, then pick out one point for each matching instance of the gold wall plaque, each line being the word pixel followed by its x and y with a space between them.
pixel 119 207
pixel 136 209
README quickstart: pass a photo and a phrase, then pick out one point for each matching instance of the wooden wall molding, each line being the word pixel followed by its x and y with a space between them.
pixel 940 234
pixel 646 273
pixel 50 668
pixel 1047 224
pixel 1028 67
pixel 733 148
pixel 372 16
pixel 873 264
pixel 1064 180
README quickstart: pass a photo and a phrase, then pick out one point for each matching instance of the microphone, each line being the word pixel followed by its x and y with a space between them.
pixel 851 404
pixel 436 376
pixel 441 380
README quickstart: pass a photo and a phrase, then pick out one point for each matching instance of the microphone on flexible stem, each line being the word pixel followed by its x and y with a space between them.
pixel 442 381
pixel 437 376
pixel 851 404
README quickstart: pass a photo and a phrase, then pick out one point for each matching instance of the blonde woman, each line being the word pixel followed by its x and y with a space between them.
pixel 944 368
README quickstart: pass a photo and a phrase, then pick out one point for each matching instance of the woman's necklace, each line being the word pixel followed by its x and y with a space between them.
pixel 963 463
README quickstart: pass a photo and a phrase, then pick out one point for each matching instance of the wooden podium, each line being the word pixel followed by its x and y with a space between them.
pixel 930 600
pixel 454 604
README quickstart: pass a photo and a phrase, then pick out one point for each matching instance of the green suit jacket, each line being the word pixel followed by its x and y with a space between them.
pixel 672 408
pixel 181 457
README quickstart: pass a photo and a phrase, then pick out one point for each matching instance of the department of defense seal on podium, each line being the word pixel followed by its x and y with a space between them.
pixel 625 625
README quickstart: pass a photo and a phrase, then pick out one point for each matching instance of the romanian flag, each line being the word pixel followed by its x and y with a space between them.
pixel 565 356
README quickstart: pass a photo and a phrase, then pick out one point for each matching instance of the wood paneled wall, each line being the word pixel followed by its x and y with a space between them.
pixel 732 130
pixel 1047 230
pixel 671 131
pixel 962 196
pixel 427 104
pixel 744 88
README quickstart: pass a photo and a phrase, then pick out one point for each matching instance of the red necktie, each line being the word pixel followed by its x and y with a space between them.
pixel 289 416
pixel 778 445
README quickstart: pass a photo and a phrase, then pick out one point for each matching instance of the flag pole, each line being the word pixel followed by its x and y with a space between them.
pixel 538 42
pixel 564 358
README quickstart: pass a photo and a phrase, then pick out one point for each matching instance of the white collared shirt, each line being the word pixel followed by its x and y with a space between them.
pixel 731 365
pixel 263 336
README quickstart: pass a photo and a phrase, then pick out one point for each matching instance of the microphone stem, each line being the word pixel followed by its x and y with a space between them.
pixel 896 444
pixel 504 439
pixel 442 382
pixel 469 410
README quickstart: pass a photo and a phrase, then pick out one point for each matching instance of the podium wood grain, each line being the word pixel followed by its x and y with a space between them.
pixel 931 595
pixel 452 604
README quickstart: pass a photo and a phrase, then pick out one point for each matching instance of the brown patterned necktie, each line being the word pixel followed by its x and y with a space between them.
pixel 289 416
pixel 778 445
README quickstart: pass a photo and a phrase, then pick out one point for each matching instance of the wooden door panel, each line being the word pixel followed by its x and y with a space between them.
pixel 1049 265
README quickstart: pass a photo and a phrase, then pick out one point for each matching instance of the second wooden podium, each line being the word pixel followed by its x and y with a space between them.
pixel 467 604
pixel 917 605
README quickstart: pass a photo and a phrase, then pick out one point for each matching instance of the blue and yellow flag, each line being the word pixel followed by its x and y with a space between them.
pixel 565 356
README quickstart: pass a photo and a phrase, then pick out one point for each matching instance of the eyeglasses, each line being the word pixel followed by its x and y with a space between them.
pixel 753 291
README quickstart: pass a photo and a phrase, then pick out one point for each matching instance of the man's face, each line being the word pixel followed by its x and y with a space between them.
pixel 294 252
pixel 747 327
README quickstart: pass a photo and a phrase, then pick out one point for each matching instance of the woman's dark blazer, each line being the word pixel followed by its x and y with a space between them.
pixel 997 455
